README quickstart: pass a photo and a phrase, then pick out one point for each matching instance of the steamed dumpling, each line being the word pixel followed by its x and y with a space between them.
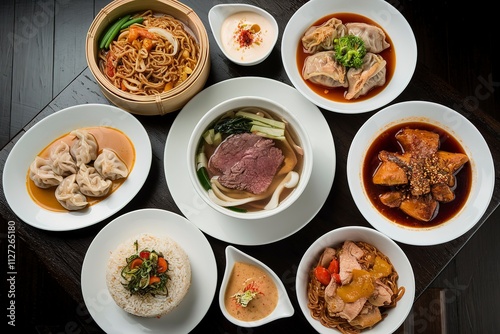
pixel 61 160
pixel 68 194
pixel 373 36
pixel 42 174
pixel 320 38
pixel 322 68
pixel 370 75
pixel 110 166
pixel 84 150
pixel 91 183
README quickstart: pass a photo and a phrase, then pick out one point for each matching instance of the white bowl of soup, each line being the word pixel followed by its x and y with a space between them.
pixel 249 158
pixel 251 293
pixel 359 276
pixel 321 43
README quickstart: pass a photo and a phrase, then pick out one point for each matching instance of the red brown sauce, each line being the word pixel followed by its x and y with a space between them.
pixel 106 137
pixel 337 93
pixel 387 141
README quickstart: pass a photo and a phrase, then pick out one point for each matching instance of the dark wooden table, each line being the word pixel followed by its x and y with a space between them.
pixel 63 252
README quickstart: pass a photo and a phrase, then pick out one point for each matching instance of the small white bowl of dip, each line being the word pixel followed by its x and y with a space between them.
pixel 246 34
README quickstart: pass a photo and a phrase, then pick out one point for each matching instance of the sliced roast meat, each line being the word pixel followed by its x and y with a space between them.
pixel 246 162
pixel 348 260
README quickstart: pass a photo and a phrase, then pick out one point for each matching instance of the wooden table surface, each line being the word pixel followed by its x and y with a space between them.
pixel 64 252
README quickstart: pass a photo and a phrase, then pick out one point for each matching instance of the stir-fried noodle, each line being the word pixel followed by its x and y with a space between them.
pixel 316 293
pixel 147 61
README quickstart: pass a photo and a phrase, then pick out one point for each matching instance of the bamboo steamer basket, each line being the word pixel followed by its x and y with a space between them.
pixel 165 102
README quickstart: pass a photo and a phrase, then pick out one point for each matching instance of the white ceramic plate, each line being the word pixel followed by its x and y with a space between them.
pixel 49 129
pixel 483 172
pixel 258 231
pixel 395 317
pixel 381 12
pixel 109 316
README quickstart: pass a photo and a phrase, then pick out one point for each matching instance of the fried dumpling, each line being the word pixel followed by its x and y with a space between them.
pixel 320 38
pixel 68 194
pixel 84 149
pixel 91 183
pixel 322 68
pixel 110 166
pixel 373 36
pixel 370 75
pixel 61 160
pixel 42 174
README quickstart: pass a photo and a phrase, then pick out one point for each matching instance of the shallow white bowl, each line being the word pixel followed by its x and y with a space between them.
pixel 284 308
pixel 219 13
pixel 237 103
pixel 483 173
pixel 381 12
pixel 396 316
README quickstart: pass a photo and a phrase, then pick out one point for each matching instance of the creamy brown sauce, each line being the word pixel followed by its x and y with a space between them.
pixel 263 304
pixel 106 138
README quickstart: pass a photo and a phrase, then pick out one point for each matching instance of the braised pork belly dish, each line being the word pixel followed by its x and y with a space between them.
pixel 420 177
pixel 352 287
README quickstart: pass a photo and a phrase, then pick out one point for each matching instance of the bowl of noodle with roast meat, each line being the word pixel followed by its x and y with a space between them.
pixel 148 57
pixel 355 279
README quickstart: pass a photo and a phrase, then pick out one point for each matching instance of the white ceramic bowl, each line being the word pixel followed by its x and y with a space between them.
pixel 284 307
pixel 379 11
pixel 335 238
pixel 237 103
pixel 216 18
pixel 483 173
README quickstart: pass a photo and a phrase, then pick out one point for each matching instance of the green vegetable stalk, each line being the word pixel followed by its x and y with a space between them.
pixel 349 51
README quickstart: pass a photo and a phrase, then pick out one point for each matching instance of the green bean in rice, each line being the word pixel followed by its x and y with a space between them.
pixel 148 305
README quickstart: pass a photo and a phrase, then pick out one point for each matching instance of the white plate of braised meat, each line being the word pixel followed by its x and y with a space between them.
pixel 420 172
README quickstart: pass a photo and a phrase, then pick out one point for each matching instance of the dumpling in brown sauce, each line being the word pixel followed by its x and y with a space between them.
pixel 322 68
pixel 91 182
pixel 84 149
pixel 372 74
pixel 321 38
pixel 62 162
pixel 69 196
pixel 373 36
pixel 110 166
pixel 42 174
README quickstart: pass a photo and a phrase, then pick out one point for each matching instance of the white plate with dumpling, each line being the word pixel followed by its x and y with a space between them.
pixel 308 54
pixel 20 184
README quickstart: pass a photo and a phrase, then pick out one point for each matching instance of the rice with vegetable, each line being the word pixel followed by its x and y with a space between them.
pixel 148 275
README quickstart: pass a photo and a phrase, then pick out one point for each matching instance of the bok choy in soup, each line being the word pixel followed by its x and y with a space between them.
pixel 249 159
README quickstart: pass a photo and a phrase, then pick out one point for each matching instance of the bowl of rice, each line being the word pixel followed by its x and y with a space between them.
pixel 149 57
pixel 166 279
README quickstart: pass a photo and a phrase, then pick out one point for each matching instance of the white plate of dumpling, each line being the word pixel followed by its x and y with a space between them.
pixel 314 61
pixel 91 170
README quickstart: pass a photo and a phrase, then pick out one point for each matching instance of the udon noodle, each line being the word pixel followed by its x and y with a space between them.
pixel 152 57
pixel 326 308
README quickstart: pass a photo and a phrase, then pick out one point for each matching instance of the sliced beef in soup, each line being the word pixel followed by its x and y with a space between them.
pixel 246 162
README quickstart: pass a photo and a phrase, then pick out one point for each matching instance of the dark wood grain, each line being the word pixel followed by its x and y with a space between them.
pixel 62 253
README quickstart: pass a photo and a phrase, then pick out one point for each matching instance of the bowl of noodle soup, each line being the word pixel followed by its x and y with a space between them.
pixel 382 266
pixel 156 60
pixel 254 173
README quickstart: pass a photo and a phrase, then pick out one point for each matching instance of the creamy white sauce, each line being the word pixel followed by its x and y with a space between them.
pixel 261 40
